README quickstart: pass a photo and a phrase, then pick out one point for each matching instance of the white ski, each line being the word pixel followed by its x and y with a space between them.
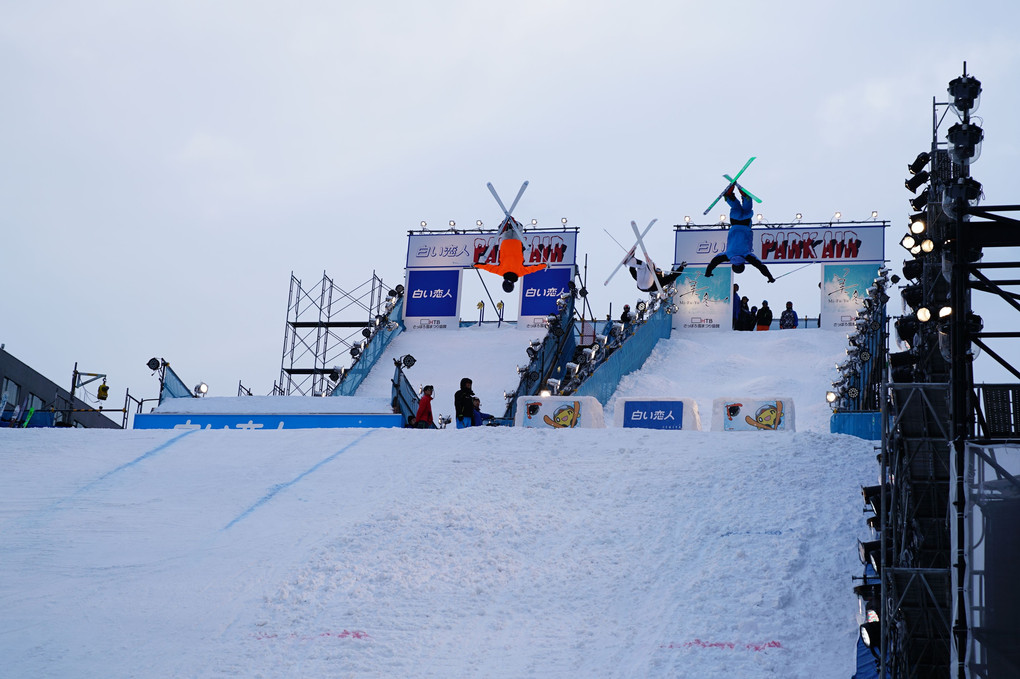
pixel 631 251
pixel 648 260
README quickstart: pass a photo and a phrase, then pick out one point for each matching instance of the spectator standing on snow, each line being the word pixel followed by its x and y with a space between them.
pixel 462 405
pixel 423 418
pixel 745 319
pixel 477 416
pixel 736 307
pixel 739 239
pixel 764 316
pixel 788 319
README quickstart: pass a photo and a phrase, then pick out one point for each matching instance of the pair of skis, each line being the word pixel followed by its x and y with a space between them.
pixel 648 260
pixel 733 182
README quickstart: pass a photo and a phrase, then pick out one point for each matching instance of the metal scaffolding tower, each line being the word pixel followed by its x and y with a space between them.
pixel 326 326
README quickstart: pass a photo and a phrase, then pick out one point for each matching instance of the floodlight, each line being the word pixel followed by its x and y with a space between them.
pixel 924 314
pixel 918 202
pixel 201 389
pixel 153 364
pixel 918 223
pixel 965 142
pixel 830 396
pixel 544 393
pixel 365 332
pixel 871 552
pixel 913 268
pixel 927 245
pixel 871 634
pixel 837 216
pixel 478 223
pixel 563 221
pixel 798 217
pixel 874 214
pixel 906 329
pixel 334 374
pixel 872 498
pixel 534 222
pixel 916 181
pixel 355 351
pixel 424 223
pixel 966 93
pixel 687 219
pixel 922 159
pixel 908 241
pixel 407 360
pixel 912 295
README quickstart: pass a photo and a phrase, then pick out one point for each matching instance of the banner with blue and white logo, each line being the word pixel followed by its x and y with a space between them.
pixel 657 413
pixel 431 299
pixel 539 292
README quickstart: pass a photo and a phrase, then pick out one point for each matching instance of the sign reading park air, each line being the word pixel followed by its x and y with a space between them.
pixel 790 245
pixel 447 250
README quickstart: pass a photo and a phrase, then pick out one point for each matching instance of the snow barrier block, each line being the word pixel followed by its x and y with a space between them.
pixel 657 413
pixel 753 414
pixel 559 412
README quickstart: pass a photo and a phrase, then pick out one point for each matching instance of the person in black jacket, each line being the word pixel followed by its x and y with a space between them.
pixel 463 404
pixel 764 317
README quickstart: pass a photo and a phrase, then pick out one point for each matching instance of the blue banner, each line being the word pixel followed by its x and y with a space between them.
pixel 432 293
pixel 263 421
pixel 653 414
pixel 540 290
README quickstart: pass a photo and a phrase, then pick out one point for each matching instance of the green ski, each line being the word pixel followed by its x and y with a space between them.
pixel 732 182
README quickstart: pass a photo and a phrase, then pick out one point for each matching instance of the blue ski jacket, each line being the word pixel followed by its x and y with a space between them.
pixel 739 241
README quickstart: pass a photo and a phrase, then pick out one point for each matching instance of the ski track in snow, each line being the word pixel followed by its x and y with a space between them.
pixel 489 552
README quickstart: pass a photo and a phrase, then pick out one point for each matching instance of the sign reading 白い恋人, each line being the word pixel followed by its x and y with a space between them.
pixel 539 292
pixel 430 299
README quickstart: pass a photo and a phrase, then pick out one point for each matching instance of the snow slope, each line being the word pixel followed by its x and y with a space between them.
pixel 491 552
pixel 487 354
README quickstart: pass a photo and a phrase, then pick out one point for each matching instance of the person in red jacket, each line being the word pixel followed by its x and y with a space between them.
pixel 423 418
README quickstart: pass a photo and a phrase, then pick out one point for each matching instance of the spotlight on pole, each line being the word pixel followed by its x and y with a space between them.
pixel 919 163
pixel 918 202
pixel 966 93
pixel 918 223
pixel 916 181
pixel 965 142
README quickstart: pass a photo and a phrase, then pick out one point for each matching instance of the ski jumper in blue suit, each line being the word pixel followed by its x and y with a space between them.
pixel 739 239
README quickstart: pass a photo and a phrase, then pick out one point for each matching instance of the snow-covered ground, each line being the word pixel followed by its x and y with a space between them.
pixel 489 552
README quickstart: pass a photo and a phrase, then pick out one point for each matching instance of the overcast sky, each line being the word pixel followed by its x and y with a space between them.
pixel 166 166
